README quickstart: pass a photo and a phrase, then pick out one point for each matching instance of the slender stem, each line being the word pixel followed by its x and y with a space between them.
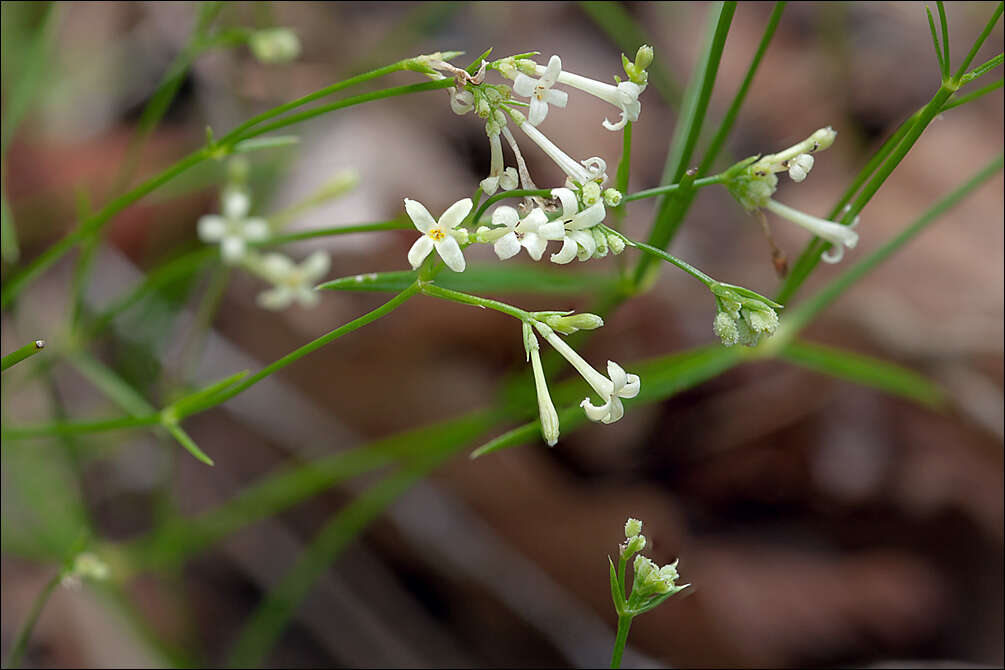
pixel 625 164
pixel 517 193
pixel 670 188
pixel 669 258
pixel 27 351
pixel 393 224
pixel 80 427
pixel 973 95
pixel 447 294
pixel 624 623
pixel 14 660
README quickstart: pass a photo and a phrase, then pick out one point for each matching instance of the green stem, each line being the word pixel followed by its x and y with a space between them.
pixel 625 164
pixel 14 660
pixel 669 258
pixel 393 224
pixel 670 188
pixel 80 427
pixel 978 43
pixel 973 95
pixel 485 303
pixel 624 623
pixel 27 351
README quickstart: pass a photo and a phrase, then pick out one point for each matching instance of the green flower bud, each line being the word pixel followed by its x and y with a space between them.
pixel 633 546
pixel 600 237
pixel 632 527
pixel 644 57
pixel 274 46
pixel 569 324
pixel 616 244
pixel 612 197
pixel 591 193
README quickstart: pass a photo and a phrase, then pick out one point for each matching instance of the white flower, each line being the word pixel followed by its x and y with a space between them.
pixel 532 232
pixel 838 235
pixel 800 166
pixel 234 229
pixel 499 175
pixel 546 408
pixel 579 172
pixel 439 234
pixel 620 385
pixel 624 96
pixel 461 102
pixel 540 92
pixel 578 241
pixel 292 282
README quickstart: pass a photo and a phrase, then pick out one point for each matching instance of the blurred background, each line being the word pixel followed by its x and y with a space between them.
pixel 821 523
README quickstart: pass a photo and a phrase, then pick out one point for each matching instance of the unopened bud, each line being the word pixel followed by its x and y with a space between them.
pixel 632 527
pixel 612 197
pixel 274 46
pixel 616 244
pixel 591 193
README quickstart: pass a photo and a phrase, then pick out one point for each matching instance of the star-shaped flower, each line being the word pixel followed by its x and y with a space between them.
pixel 439 234
pixel 532 232
pixel 234 229
pixel 540 91
pixel 292 282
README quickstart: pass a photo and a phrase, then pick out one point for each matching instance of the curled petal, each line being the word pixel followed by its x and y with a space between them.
pixel 212 228
pixel 553 230
pixel 507 246
pixel 456 213
pixel 566 253
pixel 450 251
pixel 489 185
pixel 509 179
pixel 617 375
pixel 833 255
pixel 594 413
pixel 589 217
pixel 419 215
pixel 568 200
pixel 505 215
pixel 632 387
pixel 616 126
pixel 533 221
pixel 587 245
pixel 419 251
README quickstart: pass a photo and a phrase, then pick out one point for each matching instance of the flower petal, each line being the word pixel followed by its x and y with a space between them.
pixel 551 72
pixel 617 375
pixel 316 266
pixel 505 215
pixel 277 266
pixel 419 215
pixel 568 199
pixel 236 203
pixel 553 230
pixel 456 213
pixel 535 245
pixel 420 249
pixel 509 179
pixel 557 98
pixel 589 217
pixel 538 111
pixel 532 221
pixel 632 386
pixel 212 228
pixel 307 297
pixel 489 185
pixel 616 410
pixel 524 85
pixel 450 252
pixel 594 413
pixel 507 246
pixel 232 249
pixel 255 229
pixel 587 245
pixel 566 253
pixel 276 298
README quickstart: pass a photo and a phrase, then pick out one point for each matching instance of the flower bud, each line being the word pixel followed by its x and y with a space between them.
pixel 616 244
pixel 800 166
pixel 600 237
pixel 644 57
pixel 612 197
pixel 591 193
pixel 274 46
pixel 632 527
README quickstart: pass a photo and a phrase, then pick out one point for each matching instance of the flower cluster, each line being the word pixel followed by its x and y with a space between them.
pixel 753 182
pixel 652 584
pixel 743 317
pixel 237 233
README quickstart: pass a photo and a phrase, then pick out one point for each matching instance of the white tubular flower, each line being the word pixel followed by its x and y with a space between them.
pixel 581 172
pixel 540 92
pixel 578 241
pixel 499 175
pixel 620 385
pixel 624 96
pixel 293 283
pixel 546 408
pixel 234 229
pixel 838 235
pixel 439 234
pixel 532 233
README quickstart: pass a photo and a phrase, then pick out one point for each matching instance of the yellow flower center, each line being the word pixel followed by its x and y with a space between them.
pixel 437 234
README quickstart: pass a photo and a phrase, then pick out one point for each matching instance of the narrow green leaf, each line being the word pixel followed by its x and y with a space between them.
pixel 945 36
pixel 182 406
pixel 18 355
pixel 259 143
pixel 188 443
pixel 973 95
pixel 979 42
pixel 983 69
pixel 616 596
pixel 111 385
pixel 943 67
pixel 22 92
pixel 865 370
